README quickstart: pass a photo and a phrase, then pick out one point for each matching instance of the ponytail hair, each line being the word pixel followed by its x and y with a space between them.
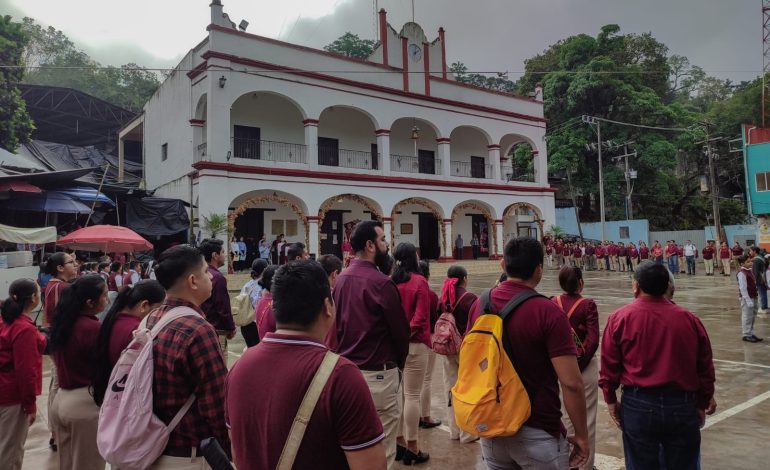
pixel 454 276
pixel 128 298
pixel 72 303
pixel 405 255
pixel 20 293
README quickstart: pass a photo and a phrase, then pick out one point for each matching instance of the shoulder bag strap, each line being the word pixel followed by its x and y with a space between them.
pixel 558 302
pixel 459 300
pixel 289 453
pixel 574 307
pixel 181 413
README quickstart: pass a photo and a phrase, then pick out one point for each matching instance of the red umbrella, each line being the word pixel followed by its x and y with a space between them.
pixel 106 238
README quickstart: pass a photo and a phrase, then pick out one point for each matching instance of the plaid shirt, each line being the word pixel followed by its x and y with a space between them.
pixel 188 360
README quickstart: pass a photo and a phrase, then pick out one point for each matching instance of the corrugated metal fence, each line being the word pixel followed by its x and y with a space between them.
pixel 698 237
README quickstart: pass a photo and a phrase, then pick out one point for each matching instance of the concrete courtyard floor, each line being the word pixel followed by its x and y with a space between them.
pixel 734 437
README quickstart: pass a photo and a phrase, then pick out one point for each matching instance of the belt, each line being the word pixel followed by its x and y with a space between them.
pixel 182 452
pixel 665 391
pixel 387 366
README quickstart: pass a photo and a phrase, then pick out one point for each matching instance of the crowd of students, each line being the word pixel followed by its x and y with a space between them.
pixel 337 373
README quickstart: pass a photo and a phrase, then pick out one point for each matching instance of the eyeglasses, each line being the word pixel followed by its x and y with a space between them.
pixel 70 262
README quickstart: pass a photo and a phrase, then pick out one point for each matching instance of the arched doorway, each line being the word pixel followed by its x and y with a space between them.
pixel 338 216
pixel 271 213
pixel 421 222
pixel 523 219
pixel 475 219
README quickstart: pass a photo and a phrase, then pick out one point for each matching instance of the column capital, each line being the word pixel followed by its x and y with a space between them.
pixel 381 132
pixel 197 122
pixel 493 147
pixel 447 221
pixel 443 140
pixel 310 122
pixel 313 218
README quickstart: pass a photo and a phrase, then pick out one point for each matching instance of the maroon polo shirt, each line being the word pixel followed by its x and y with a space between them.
pixel 217 307
pixel 708 252
pixel 652 342
pixel 416 301
pixel 372 328
pixel 21 363
pixel 51 297
pixel 736 250
pixel 344 419
pixel 122 335
pixel 644 253
pixel 622 251
pixel 538 331
pixel 724 253
pixel 264 314
pixel 75 361
pixel 585 321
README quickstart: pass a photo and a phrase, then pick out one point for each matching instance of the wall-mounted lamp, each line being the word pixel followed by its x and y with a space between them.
pixel 229 154
pixel 222 81
pixel 415 132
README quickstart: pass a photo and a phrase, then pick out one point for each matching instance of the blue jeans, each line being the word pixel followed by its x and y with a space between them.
pixel 690 264
pixel 673 264
pixel 661 429
pixel 762 296
pixel 530 448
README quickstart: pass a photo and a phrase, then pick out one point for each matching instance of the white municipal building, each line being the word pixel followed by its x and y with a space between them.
pixel 296 140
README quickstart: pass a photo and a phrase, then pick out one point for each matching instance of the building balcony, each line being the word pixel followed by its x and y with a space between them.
pixel 471 170
pixel 406 164
pixel 265 150
pixel 510 173
pixel 343 158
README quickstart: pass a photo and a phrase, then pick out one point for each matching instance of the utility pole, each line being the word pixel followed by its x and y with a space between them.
pixel 593 120
pixel 713 184
pixel 630 175
pixel 574 203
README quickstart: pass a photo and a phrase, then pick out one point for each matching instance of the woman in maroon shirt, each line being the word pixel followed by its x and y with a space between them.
pixel 21 369
pixel 73 346
pixel 454 298
pixel 584 319
pixel 426 422
pixel 132 304
pixel 263 312
pixel 415 299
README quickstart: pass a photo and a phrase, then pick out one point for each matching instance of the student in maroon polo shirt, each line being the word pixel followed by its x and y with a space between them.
pixel 372 329
pixel 217 307
pixel 263 311
pixel 543 353
pixel 344 430
pixel 709 252
pixel 748 292
pixel 660 354
pixel 599 252
pixel 724 258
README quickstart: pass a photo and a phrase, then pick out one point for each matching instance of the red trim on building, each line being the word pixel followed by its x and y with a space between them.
pixel 441 37
pixel 443 140
pixel 484 90
pixel 384 36
pixel 493 147
pixel 213 27
pixel 310 122
pixel 197 122
pixel 231 167
pixel 387 219
pixel 498 221
pixel 449 221
pixel 197 70
pixel 313 218
pixel 378 88
pixel 445 259
pixel 426 64
pixel 382 132
pixel 405 62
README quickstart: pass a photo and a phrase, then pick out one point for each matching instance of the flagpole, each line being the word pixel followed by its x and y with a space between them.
pixel 98 191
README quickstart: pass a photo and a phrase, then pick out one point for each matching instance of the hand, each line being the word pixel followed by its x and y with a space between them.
pixel 580 450
pixel 231 334
pixel 710 409
pixel 614 410
pixel 31 418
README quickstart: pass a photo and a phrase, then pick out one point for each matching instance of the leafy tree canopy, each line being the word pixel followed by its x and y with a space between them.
pixel 351 45
pixel 15 124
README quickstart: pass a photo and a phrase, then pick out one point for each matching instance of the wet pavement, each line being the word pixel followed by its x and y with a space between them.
pixel 735 436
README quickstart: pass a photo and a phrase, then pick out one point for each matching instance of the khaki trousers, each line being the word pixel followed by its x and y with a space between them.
pixel 13 422
pixel 591 387
pixel 53 387
pixel 600 263
pixel 613 263
pixel 427 384
pixel 414 374
pixel 634 263
pixel 709 263
pixel 726 266
pixel 450 365
pixel 76 418
pixel 384 386
pixel 165 462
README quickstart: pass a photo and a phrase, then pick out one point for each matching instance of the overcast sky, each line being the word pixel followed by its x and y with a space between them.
pixel 722 36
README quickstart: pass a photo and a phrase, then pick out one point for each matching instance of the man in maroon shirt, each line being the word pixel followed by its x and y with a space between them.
pixel 345 430
pixel 217 307
pixel 544 355
pixel 372 329
pixel 661 355
pixel 709 251
pixel 187 360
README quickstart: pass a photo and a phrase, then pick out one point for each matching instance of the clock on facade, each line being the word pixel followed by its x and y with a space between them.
pixel 415 52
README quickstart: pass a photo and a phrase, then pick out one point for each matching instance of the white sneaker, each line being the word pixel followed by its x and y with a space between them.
pixel 761 311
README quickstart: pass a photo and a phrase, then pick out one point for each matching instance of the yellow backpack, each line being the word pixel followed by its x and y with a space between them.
pixel 488 398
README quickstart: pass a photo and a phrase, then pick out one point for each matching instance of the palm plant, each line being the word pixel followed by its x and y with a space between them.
pixel 215 224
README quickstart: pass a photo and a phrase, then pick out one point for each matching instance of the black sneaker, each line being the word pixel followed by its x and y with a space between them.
pixel 430 424
pixel 400 451
pixel 410 458
pixel 756 337
pixel 751 339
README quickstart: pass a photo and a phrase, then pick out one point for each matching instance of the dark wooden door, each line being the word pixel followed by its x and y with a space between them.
pixel 477 167
pixel 427 161
pixel 375 157
pixel 246 141
pixel 481 229
pixel 429 244
pixel 250 225
pixel 328 151
pixel 331 234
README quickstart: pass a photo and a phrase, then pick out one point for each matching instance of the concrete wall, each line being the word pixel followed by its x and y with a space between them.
pixel 638 229
pixel 743 233
pixel 278 119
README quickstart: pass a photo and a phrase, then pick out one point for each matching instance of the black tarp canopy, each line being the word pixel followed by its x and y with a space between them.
pixel 155 216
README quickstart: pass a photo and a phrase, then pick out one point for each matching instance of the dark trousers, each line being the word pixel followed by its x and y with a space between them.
pixel 661 429
pixel 458 253
pixel 250 334
pixel 690 264
pixel 475 252
pixel 762 296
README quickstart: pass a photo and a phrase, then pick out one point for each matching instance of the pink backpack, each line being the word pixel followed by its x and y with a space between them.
pixel 446 339
pixel 130 436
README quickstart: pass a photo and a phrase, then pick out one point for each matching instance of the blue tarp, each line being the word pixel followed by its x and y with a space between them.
pixel 86 194
pixel 49 201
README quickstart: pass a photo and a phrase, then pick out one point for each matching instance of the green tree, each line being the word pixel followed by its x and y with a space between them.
pixel 497 83
pixel 15 124
pixel 351 45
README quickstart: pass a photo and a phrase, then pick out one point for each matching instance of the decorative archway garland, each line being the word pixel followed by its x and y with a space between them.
pixel 329 203
pixel 418 202
pixel 485 212
pixel 538 216
pixel 252 202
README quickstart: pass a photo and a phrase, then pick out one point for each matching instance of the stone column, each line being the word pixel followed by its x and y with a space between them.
pixel 383 148
pixel 313 244
pixel 541 166
pixel 387 227
pixel 311 142
pixel 218 141
pixel 446 253
pixel 499 242
pixel 493 152
pixel 444 155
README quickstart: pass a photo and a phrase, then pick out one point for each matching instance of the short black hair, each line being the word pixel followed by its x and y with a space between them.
pixel 307 277
pixel 177 263
pixel 425 268
pixel 116 266
pixel 295 250
pixel 754 248
pixel 210 246
pixel 569 278
pixel 522 256
pixel 331 264
pixel 267 277
pixel 258 267
pixel 103 265
pixel 652 278
pixel 363 232
pixel 741 259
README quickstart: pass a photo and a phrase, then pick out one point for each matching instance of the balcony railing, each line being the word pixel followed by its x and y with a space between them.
pixel 254 149
pixel 343 158
pixel 517 174
pixel 405 164
pixel 469 170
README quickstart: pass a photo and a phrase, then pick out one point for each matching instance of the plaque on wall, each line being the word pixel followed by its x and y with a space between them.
pixel 407 229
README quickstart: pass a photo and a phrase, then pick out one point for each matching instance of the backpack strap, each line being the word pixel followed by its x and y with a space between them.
pixel 509 308
pixel 321 377
pixel 574 307
pixel 171 315
pixel 557 299
pixel 458 301
pixel 486 305
pixel 181 413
